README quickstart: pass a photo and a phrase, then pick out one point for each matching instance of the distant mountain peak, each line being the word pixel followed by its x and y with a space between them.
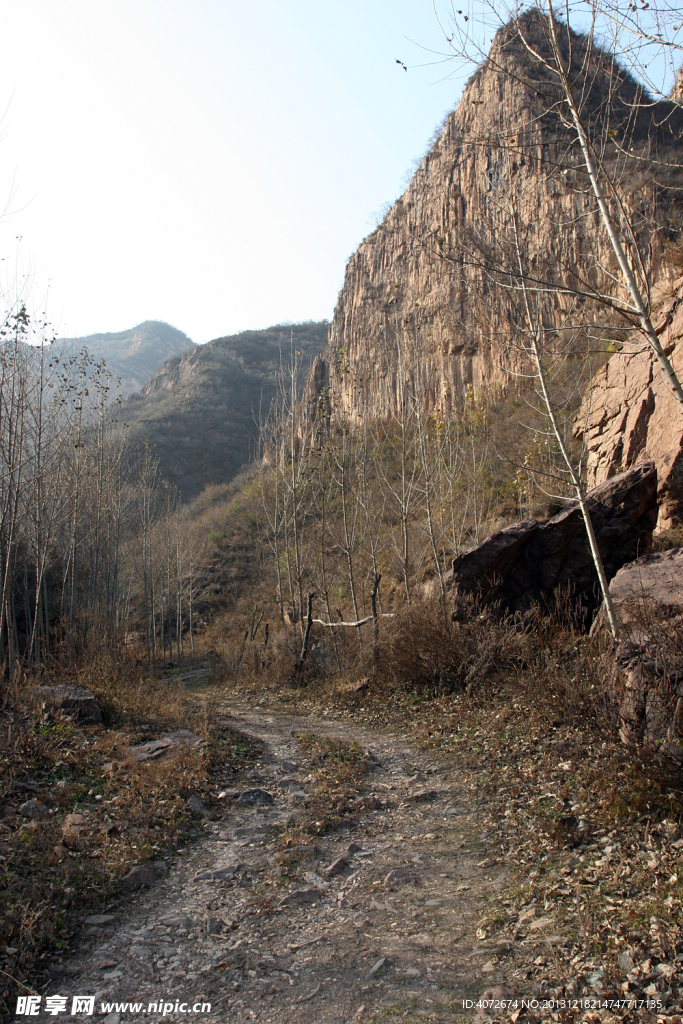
pixel 135 355
pixel 199 410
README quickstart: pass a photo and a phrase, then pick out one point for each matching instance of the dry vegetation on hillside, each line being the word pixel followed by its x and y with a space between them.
pixel 99 811
pixel 316 580
pixel 590 831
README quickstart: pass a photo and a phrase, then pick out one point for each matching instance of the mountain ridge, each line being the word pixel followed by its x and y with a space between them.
pixel 133 355
pixel 200 409
pixel 408 283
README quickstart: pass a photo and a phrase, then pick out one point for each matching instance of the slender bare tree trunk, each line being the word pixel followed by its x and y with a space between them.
pixel 640 306
pixel 533 328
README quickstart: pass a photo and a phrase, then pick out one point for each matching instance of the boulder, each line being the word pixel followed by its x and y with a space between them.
pixel 644 673
pixel 398 876
pixel 255 796
pixel 72 700
pixel 527 562
pixel 311 895
pixel 194 804
pixel 215 925
pixel 180 740
pixel 33 809
pixel 357 689
pixel 75 821
pixel 145 874
pixel 644 692
pixel 216 874
pixel 336 867
pixel 378 966
pixel 649 589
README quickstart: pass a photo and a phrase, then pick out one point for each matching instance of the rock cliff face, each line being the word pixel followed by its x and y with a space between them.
pixel 630 415
pixel 527 562
pixel 409 294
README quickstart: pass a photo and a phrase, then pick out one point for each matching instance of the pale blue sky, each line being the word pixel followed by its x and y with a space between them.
pixel 212 163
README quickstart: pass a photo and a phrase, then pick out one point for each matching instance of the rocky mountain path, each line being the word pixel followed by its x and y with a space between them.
pixel 383 917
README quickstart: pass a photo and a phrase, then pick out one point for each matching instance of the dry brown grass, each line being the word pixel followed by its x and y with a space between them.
pixel 447 674
pixel 335 761
pixel 441 648
pixel 339 768
pixel 55 874
pixel 668 539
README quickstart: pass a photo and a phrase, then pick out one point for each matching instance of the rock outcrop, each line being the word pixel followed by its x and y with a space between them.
pixel 649 589
pixel 644 673
pixel 645 693
pixel 75 701
pixel 527 562
pixel 410 292
pixel 630 414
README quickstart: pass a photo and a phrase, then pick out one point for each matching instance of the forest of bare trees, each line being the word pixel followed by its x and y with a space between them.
pixel 345 507
pixel 91 541
pixel 94 543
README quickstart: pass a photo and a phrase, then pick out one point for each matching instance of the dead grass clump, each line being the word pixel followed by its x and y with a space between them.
pixel 101 811
pixel 442 648
pixel 336 759
pixel 563 671
pixel 667 539
pixel 339 768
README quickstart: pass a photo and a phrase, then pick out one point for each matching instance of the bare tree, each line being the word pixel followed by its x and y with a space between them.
pixel 615 138
pixel 550 340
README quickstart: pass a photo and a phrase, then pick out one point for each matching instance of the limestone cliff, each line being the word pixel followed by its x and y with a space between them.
pixel 408 288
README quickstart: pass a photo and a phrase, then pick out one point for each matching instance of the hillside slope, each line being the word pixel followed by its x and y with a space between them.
pixel 199 410
pixel 134 355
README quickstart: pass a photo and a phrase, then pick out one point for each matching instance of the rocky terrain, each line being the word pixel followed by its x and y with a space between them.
pixel 135 355
pixel 270 929
pixel 451 881
pixel 527 562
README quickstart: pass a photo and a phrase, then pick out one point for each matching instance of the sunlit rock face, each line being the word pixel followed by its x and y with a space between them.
pixel 409 293
pixel 630 415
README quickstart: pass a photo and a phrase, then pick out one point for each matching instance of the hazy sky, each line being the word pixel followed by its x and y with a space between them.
pixel 211 163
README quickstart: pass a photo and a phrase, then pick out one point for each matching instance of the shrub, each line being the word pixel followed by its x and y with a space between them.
pixel 444 647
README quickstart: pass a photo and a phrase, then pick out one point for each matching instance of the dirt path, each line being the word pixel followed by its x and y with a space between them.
pixel 392 935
